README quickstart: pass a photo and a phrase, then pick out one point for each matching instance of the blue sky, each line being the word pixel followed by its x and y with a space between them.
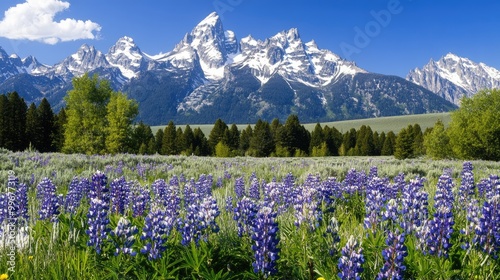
pixel 406 35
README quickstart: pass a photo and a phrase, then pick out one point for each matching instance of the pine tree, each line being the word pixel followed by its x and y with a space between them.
pixel 200 143
pixel 389 143
pixel 59 123
pixel 233 138
pixel 380 143
pixel 418 141
pixel 33 128
pixel 17 122
pixel 188 141
pixel 4 121
pixel 169 143
pixel 293 136
pixel 159 141
pixel 217 134
pixel 47 126
pixel 245 137
pixel 275 127
pixel 141 134
pixel 261 143
pixel 317 137
pixel 367 145
pixel 333 139
pixel 404 144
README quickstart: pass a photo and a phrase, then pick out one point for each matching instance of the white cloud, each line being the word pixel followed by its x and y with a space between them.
pixel 34 20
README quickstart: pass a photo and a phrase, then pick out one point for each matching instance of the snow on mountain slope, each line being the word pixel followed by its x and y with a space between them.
pixel 453 77
pixel 86 59
pixel 126 56
pixel 287 55
pixel 212 44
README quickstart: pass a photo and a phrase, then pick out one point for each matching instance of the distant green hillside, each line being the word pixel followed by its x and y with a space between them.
pixel 385 124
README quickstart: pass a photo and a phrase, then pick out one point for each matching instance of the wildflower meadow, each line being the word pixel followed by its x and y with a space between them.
pixel 178 217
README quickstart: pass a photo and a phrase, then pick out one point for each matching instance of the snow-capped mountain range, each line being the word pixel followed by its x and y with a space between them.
pixel 211 74
pixel 453 77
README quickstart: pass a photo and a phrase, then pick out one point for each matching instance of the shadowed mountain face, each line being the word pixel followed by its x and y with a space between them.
pixel 211 74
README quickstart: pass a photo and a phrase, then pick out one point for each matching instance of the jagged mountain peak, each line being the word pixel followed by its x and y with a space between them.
pixel 212 44
pixel 212 19
pixel 127 56
pixel 454 77
pixel 211 73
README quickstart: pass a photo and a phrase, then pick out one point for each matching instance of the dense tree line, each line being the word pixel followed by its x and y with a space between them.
pixel 474 131
pixel 98 120
pixel 271 139
pixel 23 127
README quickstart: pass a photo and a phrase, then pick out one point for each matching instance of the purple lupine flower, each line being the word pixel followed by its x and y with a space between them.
pixel 98 223
pixel 354 182
pixel 266 238
pixel 254 190
pixel 245 213
pixel 99 187
pixel 332 234
pixel 74 196
pixel 329 190
pixel 440 227
pixel 288 190
pixel 124 237
pixel 439 233
pixel 227 175
pixel 50 202
pixel 182 178
pixel 141 170
pixel 140 200
pixel 307 208
pixel 466 190
pixel 32 179
pixel 373 172
pixel 188 226
pixel 120 195
pixel 219 183
pixel 490 187
pixel 472 223
pixel 374 203
pixel 414 206
pixel 119 168
pixel 157 227
pixel 199 221
pixel 239 187
pixel 444 192
pixel 351 261
pixel 488 230
pixel 204 185
pixel 108 168
pixel 209 211
pixel 168 195
pixel 229 204
pixel 272 194
pixel 393 256
pixel 391 213
pixel 21 194
pixel 4 206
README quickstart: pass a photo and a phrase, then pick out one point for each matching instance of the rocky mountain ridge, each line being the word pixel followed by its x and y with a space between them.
pixel 211 74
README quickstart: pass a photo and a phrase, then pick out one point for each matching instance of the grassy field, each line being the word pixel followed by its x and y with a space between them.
pixel 384 124
pixel 204 218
